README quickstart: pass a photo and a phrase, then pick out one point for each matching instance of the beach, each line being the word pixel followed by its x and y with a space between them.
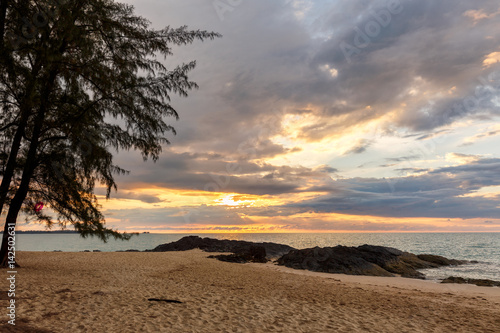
pixel 109 292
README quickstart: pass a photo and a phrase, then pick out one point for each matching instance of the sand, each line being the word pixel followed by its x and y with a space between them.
pixel 108 292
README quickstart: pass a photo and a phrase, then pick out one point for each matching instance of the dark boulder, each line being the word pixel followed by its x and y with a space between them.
pixel 477 282
pixel 441 261
pixel 361 260
pixel 341 259
pixel 255 250
pixel 255 253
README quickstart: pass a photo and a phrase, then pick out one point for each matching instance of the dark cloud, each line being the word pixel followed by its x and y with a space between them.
pixel 359 148
pixel 214 173
pixel 130 195
pixel 403 158
pixel 439 193
pixel 177 218
pixel 269 64
pixel 430 135
pixel 429 46
pixel 414 170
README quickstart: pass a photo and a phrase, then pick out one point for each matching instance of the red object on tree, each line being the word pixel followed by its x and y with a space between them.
pixel 38 206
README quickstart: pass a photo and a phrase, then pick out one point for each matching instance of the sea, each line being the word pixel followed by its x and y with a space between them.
pixel 481 247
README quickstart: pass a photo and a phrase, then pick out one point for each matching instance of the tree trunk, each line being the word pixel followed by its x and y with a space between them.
pixel 16 142
pixel 11 163
pixel 30 164
pixel 29 168
pixel 26 109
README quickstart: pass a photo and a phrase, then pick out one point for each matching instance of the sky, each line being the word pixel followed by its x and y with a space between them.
pixel 325 116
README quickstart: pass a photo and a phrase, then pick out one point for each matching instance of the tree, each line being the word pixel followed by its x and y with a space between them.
pixel 92 85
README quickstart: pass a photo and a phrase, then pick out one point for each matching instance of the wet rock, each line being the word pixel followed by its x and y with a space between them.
pixel 441 261
pixel 477 282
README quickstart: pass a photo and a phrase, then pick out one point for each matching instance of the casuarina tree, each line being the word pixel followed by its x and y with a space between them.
pixel 81 80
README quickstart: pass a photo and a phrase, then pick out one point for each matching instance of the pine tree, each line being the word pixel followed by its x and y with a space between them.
pixel 82 83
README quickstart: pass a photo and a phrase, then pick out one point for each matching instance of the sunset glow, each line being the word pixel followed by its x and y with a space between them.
pixel 297 128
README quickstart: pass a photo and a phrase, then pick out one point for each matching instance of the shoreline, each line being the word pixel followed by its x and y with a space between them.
pixel 109 292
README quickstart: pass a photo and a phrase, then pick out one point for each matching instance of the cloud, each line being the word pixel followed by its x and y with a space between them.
pixel 438 193
pixel 176 218
pixel 130 195
pixel 390 71
pixel 213 172
pixel 462 158
pixel 491 59
pixel 490 132
pixel 360 147
pixel 481 14
pixel 279 80
pixel 272 62
pixel 403 158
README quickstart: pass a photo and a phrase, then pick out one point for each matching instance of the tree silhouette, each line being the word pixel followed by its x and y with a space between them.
pixel 79 81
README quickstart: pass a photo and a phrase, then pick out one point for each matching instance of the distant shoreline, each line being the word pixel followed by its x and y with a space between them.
pixel 273 233
pixel 45 232
pixel 52 232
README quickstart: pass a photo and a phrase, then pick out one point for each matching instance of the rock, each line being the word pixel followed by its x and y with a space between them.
pixel 132 250
pixel 86 251
pixel 97 251
pixel 477 282
pixel 206 244
pixel 341 259
pixel 454 279
pixel 255 253
pixel 361 260
pixel 258 253
pixel 441 261
pixel 234 258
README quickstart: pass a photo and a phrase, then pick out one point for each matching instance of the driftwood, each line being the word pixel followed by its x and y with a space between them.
pixel 163 300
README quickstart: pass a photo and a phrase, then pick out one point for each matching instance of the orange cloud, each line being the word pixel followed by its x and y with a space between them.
pixel 491 59
pixel 478 15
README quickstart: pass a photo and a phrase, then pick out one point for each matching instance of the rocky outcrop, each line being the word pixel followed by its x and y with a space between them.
pixel 363 260
pixel 477 282
pixel 272 250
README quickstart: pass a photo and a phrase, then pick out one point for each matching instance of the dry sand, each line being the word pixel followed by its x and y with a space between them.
pixel 108 292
